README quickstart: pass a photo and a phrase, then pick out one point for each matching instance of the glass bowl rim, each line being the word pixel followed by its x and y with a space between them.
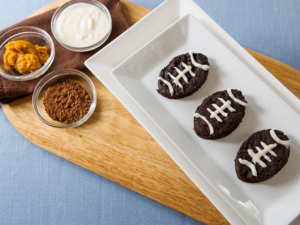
pixel 45 67
pixel 62 72
pixel 87 48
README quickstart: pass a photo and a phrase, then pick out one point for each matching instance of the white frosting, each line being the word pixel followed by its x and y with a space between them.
pixel 250 165
pixel 204 67
pixel 275 138
pixel 235 99
pixel 189 69
pixel 81 25
pixel 256 156
pixel 262 153
pixel 226 105
pixel 167 83
pixel 211 129
pixel 181 74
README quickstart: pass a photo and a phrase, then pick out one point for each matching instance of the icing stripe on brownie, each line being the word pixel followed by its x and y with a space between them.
pixel 211 129
pixel 262 153
pixel 250 165
pixel 256 157
pixel 181 74
pixel 226 105
pixel 204 67
pixel 235 99
pixel 275 138
pixel 168 84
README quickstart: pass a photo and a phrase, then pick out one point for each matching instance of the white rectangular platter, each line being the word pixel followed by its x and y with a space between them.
pixel 129 68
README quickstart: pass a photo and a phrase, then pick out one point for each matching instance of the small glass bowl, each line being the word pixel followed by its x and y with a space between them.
pixel 35 36
pixel 53 78
pixel 102 8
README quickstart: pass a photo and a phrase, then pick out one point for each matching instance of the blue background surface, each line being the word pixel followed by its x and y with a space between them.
pixel 37 187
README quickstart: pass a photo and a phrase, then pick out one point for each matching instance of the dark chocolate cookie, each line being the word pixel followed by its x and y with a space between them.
pixel 183 76
pixel 262 156
pixel 219 114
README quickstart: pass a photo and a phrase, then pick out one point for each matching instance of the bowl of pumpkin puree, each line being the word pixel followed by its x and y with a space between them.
pixel 26 53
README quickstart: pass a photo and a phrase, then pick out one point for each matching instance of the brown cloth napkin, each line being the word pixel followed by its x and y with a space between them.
pixel 11 90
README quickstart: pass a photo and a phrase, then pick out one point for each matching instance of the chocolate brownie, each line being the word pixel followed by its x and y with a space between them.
pixel 262 156
pixel 219 114
pixel 183 76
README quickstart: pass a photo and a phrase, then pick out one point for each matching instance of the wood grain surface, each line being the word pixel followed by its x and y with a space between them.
pixel 114 145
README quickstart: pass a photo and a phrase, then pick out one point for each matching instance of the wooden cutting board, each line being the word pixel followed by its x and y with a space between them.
pixel 114 145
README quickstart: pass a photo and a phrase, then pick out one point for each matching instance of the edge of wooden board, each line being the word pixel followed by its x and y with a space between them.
pixel 288 75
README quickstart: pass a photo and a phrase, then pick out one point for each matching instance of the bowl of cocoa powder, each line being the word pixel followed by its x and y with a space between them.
pixel 64 98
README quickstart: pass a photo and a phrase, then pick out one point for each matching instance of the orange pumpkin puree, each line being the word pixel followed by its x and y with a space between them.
pixel 24 56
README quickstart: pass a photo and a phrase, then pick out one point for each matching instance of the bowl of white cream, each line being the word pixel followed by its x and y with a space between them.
pixel 81 25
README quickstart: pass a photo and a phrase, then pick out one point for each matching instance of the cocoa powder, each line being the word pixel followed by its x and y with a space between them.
pixel 67 101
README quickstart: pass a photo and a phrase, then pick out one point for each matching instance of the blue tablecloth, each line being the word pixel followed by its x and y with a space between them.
pixel 37 187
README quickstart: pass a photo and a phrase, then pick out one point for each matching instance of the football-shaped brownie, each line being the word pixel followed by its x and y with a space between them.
pixel 219 114
pixel 262 156
pixel 183 76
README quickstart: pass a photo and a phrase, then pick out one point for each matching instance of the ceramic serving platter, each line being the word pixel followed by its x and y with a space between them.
pixel 129 68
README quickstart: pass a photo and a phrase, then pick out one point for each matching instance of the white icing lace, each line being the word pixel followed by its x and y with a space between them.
pixel 275 138
pixel 204 67
pixel 181 74
pixel 235 99
pixel 262 153
pixel 226 105
pixel 211 129
pixel 168 84
pixel 250 165
pixel 256 156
